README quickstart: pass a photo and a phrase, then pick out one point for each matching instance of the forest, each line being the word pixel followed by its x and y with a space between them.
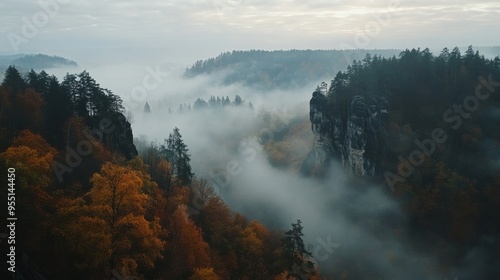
pixel 289 69
pixel 92 204
pixel 25 62
pixel 448 188
pixel 91 207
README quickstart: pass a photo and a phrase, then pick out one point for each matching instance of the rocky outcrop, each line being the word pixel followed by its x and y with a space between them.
pixel 351 130
pixel 321 125
pixel 118 137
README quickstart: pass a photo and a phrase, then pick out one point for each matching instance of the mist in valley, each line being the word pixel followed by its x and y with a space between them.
pixel 251 155
pixel 347 222
pixel 237 79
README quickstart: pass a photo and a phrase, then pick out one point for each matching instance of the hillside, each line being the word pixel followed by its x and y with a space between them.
pixel 91 207
pixel 38 62
pixel 280 69
pixel 425 128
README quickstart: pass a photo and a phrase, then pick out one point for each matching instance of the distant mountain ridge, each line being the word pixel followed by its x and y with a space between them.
pixel 26 62
pixel 283 69
pixel 288 69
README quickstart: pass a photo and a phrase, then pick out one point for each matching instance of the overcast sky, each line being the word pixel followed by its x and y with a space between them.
pixel 187 30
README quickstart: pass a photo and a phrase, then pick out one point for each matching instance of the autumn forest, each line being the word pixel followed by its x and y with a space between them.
pixel 92 208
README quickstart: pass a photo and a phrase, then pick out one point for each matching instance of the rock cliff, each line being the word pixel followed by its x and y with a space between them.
pixel 120 137
pixel 350 130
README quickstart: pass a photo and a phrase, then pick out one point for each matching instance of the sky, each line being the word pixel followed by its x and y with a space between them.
pixel 189 30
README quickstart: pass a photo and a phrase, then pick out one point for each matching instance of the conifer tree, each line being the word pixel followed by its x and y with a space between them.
pixel 147 109
pixel 176 152
pixel 295 253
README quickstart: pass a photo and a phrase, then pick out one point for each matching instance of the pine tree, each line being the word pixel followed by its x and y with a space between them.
pixel 58 109
pixel 238 101
pixel 295 253
pixel 200 104
pixel 176 152
pixel 13 81
pixel 226 101
pixel 147 109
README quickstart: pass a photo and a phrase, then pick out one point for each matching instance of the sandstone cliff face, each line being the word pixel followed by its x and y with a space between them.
pixel 352 132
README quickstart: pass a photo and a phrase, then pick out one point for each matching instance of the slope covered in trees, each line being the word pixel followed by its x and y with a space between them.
pixel 38 62
pixel 443 144
pixel 279 69
pixel 89 208
pixel 214 104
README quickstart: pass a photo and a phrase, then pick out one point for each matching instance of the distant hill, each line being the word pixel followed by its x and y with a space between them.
pixel 25 62
pixel 281 69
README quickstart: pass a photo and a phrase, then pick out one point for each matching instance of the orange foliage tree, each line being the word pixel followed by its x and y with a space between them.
pixel 107 228
pixel 187 249
pixel 204 274
pixel 253 250
pixel 31 156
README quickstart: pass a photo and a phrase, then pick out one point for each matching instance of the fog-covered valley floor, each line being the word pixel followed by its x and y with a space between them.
pixel 252 158
pixel 232 139
pixel 266 141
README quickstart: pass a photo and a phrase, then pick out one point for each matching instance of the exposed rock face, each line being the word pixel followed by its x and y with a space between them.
pixel 322 152
pixel 120 137
pixel 352 132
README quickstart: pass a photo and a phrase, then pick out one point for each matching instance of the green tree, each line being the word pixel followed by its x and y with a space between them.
pixel 147 109
pixel 58 110
pixel 13 80
pixel 176 152
pixel 295 253
pixel 13 83
pixel 238 101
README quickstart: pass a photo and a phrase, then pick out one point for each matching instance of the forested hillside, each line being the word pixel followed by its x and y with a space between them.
pixel 25 62
pixel 279 69
pixel 415 179
pixel 436 151
pixel 90 207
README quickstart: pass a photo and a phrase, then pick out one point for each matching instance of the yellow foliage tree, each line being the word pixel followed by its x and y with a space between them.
pixel 252 255
pixel 107 229
pixel 31 156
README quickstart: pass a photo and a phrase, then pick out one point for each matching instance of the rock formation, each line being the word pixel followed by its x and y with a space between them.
pixel 348 129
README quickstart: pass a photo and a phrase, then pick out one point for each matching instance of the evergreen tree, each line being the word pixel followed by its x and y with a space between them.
pixel 295 253
pixel 199 104
pixel 13 81
pixel 38 82
pixel 238 101
pixel 14 84
pixel 58 110
pixel 226 101
pixel 69 87
pixel 147 109
pixel 176 152
pixel 212 102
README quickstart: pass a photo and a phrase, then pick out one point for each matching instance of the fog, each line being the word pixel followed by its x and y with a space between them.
pixel 139 51
pixel 349 226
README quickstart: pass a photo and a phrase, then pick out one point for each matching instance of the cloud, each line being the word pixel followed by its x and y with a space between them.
pixel 198 26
